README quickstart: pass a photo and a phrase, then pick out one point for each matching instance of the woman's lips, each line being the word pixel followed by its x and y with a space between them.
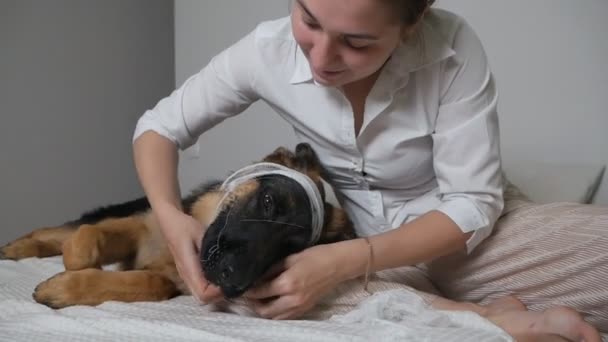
pixel 328 74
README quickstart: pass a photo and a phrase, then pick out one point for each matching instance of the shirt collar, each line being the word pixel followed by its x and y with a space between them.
pixel 301 73
pixel 425 48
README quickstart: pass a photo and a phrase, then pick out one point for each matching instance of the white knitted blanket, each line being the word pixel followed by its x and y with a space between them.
pixel 393 315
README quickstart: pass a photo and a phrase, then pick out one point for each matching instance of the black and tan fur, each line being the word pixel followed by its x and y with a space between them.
pixel 129 234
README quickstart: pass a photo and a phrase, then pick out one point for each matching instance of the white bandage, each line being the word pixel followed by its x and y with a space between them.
pixel 263 169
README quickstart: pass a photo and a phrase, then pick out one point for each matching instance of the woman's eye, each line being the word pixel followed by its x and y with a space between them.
pixel 310 22
pixel 311 25
pixel 354 46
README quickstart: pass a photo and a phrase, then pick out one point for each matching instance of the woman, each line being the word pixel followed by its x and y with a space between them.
pixel 400 105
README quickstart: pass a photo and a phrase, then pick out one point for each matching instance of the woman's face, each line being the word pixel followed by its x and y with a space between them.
pixel 344 40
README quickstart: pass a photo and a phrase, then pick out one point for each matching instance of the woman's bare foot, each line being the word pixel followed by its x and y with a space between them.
pixel 555 324
pixel 510 314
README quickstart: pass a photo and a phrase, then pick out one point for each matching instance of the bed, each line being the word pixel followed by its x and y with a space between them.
pixel 396 314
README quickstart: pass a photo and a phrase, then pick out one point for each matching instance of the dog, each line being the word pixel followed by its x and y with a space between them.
pixel 252 223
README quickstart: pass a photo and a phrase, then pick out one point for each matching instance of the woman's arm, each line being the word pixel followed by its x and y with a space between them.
pixel 466 158
pixel 428 237
pixel 310 274
pixel 222 89
pixel 156 160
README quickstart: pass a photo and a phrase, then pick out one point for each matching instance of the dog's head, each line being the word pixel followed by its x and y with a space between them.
pixel 264 219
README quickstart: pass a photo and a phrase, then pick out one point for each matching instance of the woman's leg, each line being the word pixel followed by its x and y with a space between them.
pixel 555 324
pixel 545 255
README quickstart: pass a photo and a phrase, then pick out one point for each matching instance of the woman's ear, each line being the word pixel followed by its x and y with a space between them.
pixel 410 30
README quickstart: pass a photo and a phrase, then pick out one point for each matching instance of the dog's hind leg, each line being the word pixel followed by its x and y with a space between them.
pixel 43 242
pixel 105 242
pixel 94 286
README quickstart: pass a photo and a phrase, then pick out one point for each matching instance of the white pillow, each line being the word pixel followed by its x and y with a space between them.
pixel 545 182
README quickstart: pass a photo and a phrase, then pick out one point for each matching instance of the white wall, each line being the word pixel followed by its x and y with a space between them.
pixel 74 77
pixel 202 29
pixel 548 57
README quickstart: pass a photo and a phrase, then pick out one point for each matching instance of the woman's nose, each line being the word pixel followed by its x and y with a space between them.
pixel 324 52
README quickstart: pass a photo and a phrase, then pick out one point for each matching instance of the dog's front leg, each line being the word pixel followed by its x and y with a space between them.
pixel 94 286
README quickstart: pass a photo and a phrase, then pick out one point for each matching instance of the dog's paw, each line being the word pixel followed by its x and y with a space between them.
pixel 64 289
pixel 20 249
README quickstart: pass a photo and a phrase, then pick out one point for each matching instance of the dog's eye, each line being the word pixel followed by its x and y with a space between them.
pixel 267 202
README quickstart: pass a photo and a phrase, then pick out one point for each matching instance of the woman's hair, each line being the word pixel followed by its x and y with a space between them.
pixel 409 12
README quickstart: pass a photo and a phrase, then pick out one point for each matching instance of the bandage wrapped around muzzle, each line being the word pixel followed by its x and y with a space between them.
pixel 264 169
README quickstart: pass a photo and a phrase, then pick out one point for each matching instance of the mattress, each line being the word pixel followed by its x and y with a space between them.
pixel 393 315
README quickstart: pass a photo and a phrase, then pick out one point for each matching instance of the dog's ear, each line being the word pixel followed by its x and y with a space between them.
pixel 304 160
pixel 307 161
pixel 281 156
pixel 337 226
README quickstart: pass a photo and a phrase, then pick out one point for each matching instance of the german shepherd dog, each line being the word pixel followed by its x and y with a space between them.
pixel 262 221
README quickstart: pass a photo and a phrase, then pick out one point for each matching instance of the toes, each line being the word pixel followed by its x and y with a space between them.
pixel 56 292
pixel 70 288
pixel 20 249
pixel 569 323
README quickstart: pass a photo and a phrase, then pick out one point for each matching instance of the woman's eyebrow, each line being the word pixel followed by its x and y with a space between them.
pixel 346 35
pixel 306 10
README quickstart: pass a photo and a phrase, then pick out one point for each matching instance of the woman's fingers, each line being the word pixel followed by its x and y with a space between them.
pixel 273 272
pixel 184 245
pixel 283 286
pixel 190 270
pixel 284 307
pixel 275 282
pixel 289 315
pixel 262 291
pixel 212 293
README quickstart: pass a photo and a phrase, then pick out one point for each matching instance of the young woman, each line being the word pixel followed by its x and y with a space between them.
pixel 399 103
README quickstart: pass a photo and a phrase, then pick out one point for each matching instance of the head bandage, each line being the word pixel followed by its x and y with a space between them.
pixel 264 169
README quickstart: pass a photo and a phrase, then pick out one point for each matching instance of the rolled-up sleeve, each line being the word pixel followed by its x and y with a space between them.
pixel 466 140
pixel 223 88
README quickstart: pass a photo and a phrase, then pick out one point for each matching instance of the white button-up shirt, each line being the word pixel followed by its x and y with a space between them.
pixel 429 138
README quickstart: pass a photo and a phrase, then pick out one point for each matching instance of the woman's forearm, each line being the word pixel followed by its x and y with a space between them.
pixel 429 237
pixel 156 160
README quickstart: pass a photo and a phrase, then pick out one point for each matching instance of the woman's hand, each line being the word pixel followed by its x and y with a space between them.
pixel 184 234
pixel 305 278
